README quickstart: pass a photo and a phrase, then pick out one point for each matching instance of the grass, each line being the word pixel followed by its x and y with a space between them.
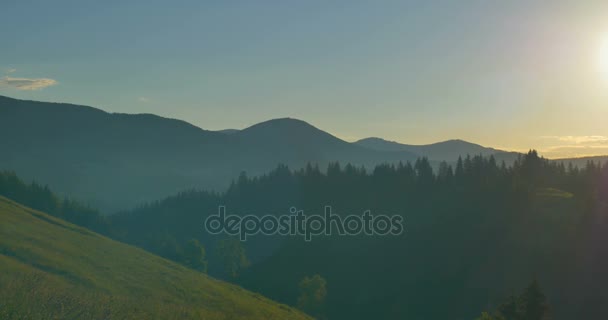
pixel 50 269
pixel 554 193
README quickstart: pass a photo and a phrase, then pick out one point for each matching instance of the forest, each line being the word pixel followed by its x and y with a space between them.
pixel 522 241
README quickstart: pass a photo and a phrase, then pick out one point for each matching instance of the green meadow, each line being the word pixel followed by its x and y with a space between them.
pixel 51 269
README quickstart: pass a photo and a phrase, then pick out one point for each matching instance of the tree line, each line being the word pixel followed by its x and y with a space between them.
pixel 474 231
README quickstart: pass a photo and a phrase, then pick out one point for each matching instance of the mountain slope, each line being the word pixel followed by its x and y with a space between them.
pixel 109 160
pixel 116 161
pixel 441 151
pixel 228 131
pixel 51 269
pixel 295 142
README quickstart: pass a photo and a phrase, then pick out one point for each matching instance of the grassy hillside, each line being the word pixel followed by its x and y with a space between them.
pixel 50 269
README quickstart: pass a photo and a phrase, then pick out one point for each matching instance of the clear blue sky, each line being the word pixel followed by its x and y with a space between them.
pixel 509 74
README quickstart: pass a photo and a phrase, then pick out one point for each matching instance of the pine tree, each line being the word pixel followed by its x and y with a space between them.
pixel 534 303
pixel 313 291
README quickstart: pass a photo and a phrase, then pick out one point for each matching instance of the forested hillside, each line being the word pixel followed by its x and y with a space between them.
pixel 474 234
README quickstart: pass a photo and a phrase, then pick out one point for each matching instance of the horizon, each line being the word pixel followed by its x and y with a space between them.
pixel 295 119
pixel 523 151
pixel 514 76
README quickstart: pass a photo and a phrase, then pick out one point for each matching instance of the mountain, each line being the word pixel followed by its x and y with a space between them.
pixel 441 151
pixel 114 161
pixel 295 142
pixel 109 160
pixel 53 269
pixel 228 131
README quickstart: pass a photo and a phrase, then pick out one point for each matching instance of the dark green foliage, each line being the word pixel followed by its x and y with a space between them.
pixel 313 291
pixel 510 309
pixel 473 234
pixel 41 198
pixel 530 305
pixel 534 303
pixel 480 224
pixel 487 316
pixel 233 257
pixel 194 256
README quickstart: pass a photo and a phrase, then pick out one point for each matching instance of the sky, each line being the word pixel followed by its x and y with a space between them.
pixel 514 75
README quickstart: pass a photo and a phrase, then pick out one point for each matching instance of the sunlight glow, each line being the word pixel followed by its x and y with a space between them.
pixel 603 58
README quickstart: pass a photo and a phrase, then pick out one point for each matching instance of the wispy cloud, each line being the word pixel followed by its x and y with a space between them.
pixel 12 70
pixel 574 151
pixel 27 83
pixel 579 139
pixel 575 146
pixel 583 139
pixel 143 99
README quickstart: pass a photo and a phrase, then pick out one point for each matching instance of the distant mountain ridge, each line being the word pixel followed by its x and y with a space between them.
pixel 229 131
pixel 448 150
pixel 115 161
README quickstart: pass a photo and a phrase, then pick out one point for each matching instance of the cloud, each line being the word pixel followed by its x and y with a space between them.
pixel 574 151
pixel 579 139
pixel 26 84
pixel 11 70
pixel 143 99
pixel 574 146
pixel 584 139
